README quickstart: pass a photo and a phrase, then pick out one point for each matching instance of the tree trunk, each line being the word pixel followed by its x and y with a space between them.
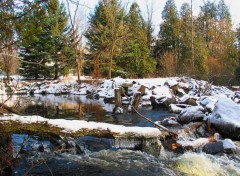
pixel 111 60
pixel 6 155
pixel 56 71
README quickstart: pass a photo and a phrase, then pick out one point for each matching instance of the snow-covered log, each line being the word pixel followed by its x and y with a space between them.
pixel 79 128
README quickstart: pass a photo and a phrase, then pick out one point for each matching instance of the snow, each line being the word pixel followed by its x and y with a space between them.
pixel 175 109
pixel 171 82
pixel 163 91
pixel 207 95
pixel 226 117
pixel 228 144
pixel 194 144
pixel 191 114
pixel 76 125
pixel 208 102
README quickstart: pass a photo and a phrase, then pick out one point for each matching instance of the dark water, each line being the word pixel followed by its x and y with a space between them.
pixel 102 156
pixel 81 108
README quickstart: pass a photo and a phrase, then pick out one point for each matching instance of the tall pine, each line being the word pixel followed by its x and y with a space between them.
pixel 167 46
pixel 45 53
pixel 105 36
pixel 136 59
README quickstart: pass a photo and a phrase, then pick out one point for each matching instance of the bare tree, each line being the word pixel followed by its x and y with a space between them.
pixel 77 34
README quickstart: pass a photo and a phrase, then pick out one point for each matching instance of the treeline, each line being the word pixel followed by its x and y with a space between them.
pixel 120 42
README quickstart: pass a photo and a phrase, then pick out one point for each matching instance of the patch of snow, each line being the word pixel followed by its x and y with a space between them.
pixel 195 143
pixel 228 144
pixel 191 114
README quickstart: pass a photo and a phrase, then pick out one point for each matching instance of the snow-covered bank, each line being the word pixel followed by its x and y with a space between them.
pixel 194 100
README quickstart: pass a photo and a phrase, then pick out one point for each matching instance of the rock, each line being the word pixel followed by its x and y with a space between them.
pixel 172 84
pixel 225 146
pixel 186 99
pixel 175 109
pixel 180 93
pixel 213 148
pixel 208 102
pixel 170 121
pixel 226 117
pixel 191 114
pixel 162 102
pixel 193 144
pixel 117 110
pixel 109 100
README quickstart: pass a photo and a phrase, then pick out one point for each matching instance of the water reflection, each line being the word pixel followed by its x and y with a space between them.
pixel 81 108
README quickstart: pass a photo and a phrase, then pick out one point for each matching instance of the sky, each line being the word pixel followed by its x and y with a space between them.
pixel 158 5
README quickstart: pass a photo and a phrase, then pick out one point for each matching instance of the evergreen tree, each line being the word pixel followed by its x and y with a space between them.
pixel 137 60
pixel 105 35
pixel 185 40
pixel 44 53
pixel 168 37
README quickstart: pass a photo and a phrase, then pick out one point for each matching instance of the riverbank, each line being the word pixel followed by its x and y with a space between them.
pixel 206 116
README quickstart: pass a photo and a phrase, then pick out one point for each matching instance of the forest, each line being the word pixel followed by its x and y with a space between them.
pixel 41 39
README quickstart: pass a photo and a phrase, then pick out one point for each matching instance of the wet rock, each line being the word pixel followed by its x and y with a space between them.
pixel 226 117
pixel 213 148
pixel 191 114
pixel 40 148
pixel 225 146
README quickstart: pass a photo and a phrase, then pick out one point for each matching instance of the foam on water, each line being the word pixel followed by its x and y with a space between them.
pixel 200 164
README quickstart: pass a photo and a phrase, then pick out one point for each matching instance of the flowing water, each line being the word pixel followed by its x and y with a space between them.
pixel 107 157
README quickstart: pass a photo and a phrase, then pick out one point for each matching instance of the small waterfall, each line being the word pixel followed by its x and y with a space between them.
pixel 150 146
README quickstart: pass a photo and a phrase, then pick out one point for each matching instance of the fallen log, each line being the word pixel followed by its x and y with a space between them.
pixel 9 109
pixel 76 128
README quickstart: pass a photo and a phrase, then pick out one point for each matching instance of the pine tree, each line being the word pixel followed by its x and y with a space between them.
pixel 105 35
pixel 136 59
pixel 44 53
pixel 168 37
pixel 185 40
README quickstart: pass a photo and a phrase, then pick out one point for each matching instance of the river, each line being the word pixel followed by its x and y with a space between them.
pixel 103 156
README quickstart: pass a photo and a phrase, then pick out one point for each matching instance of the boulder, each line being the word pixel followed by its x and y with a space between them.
pixel 208 102
pixel 225 146
pixel 162 97
pixel 162 102
pixel 191 114
pixel 226 117
pixel 189 100
pixel 170 121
